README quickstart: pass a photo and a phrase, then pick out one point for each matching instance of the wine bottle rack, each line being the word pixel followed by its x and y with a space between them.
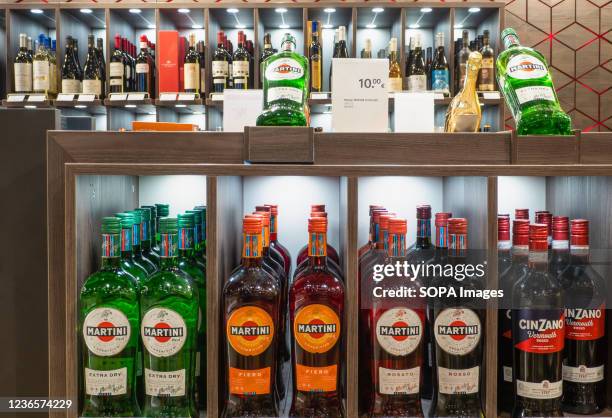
pixel 400 20
pixel 459 179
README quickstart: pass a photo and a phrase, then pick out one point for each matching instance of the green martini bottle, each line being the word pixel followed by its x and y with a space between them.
pixel 145 236
pixel 150 252
pixel 139 259
pixel 109 324
pixel 198 231
pixel 169 306
pixel 127 255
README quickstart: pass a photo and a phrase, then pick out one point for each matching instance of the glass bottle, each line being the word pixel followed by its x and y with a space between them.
pixel 70 78
pixel 486 78
pixel 101 63
pixel 316 308
pixel 52 67
pixel 240 64
pixel 439 68
pixel 417 80
pixel 201 50
pixel 274 242
pixel 118 83
pixel 315 54
pixel 40 68
pixel 199 236
pixel 162 210
pixel 191 67
pixel 22 67
pixel 92 77
pixel 462 61
pixel 77 60
pixel 144 76
pixel 108 333
pixel 560 255
pixel 366 53
pixel 464 113
pixel 137 243
pixel 267 52
pixel 127 254
pixel 169 306
pixel 148 230
pixel 220 65
pixel 395 72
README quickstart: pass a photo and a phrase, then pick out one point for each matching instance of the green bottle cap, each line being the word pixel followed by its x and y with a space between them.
pixel 509 37
pixel 127 220
pixel 186 220
pixel 288 38
pixel 137 216
pixel 197 216
pixel 111 225
pixel 163 209
pixel 145 213
pixel 152 209
pixel 168 226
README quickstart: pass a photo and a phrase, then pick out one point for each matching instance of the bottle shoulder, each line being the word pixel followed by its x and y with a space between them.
pixel 110 282
pixel 254 280
pixel 169 281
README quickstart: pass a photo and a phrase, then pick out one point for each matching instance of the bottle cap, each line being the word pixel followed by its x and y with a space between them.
pixel 521 213
pixel 442 218
pixel 273 208
pixel 372 207
pixel 145 213
pixel 423 212
pixel 383 220
pixel 163 209
pixel 538 237
pixel 503 228
pixel 143 38
pixel 580 232
pixel 560 228
pixel 317 225
pixel 111 225
pixel 265 216
pixel 168 225
pixel 153 210
pixel 317 208
pixel 398 226
pixel 263 208
pixel 457 226
pixel 377 213
pixel 252 224
pixel 197 216
pixel 185 220
pixel 127 220
pixel 520 232
pixel 544 217
pixel 137 216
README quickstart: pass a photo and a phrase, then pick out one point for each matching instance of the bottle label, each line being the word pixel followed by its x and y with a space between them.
pixel 440 81
pixel 106 331
pixel 253 245
pixel 583 374
pixel 317 244
pixel 220 68
pixel 316 328
pixel 457 330
pixel 126 240
pixel 197 230
pixel 111 245
pixel 23 77
pixel 192 76
pixel 315 75
pixel 250 330
pixel 417 82
pixel 240 69
pixel 458 381
pixel 53 77
pixel 399 381
pixel 285 93
pixel 185 236
pixel 539 390
pixel 399 331
pixel 167 245
pixel 144 230
pixel 116 69
pixel 395 84
pixel 142 67
pixel 41 72
pixel 92 87
pixel 163 332
pixel 316 379
pixel 128 71
pixel 526 67
pixel 284 69
pixel 507 374
pixel 136 235
pixel 462 73
pixel 116 82
pixel 106 382
pixel 71 86
pixel 585 324
pixel 486 75
pixel 249 382
pixel 165 384
pixel 531 93
pixel 539 331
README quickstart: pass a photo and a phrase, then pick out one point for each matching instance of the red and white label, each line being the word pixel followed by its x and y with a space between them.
pixel 399 381
pixel 585 324
pixel 106 331
pixel 525 67
pixel 399 331
pixel 457 330
pixel 540 331
pixel 458 381
pixel 163 332
pixel 539 390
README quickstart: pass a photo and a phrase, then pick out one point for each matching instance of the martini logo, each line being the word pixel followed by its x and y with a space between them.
pixel 524 67
pixel 284 69
pixel 106 331
pixel 316 328
pixel 457 330
pixel 399 330
pixel 539 331
pixel 163 332
pixel 250 330
pixel 585 324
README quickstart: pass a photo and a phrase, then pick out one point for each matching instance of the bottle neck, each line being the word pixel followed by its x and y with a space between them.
pixel 457 245
pixel 126 243
pixel 580 254
pixel 168 249
pixel 111 251
pixel 252 249
pixel 273 228
pixel 511 41
pixel 423 239
pixel 538 259
pixel 382 243
pixel 317 247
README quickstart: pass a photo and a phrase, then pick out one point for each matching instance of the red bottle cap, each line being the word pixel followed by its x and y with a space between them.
pixel 273 208
pixel 263 208
pixel 538 237
pixel 318 214
pixel 143 38
pixel 265 215
pixel 544 217
pixel 457 226
pixel 252 224
pixel 521 214
pixel 398 226
pixel 383 220
pixel 372 207
pixel 560 228
pixel 503 228
pixel 520 232
pixel 423 212
pixel 317 208
pixel 317 225
pixel 442 218
pixel 580 232
pixel 377 214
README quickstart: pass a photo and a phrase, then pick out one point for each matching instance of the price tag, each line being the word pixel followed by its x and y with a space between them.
pixel 360 98
pixel 490 95
pixel 86 98
pixel 438 96
pixel 14 98
pixel 217 97
pixel 241 108
pixel 37 98
pixel 118 97
pixel 65 97
pixel 136 96
pixel 167 97
pixel 319 96
pixel 420 107
pixel 187 96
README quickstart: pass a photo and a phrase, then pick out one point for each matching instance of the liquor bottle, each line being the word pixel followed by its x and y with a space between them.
pixel 162 210
pixel 372 237
pixel 487 72
pixel 409 57
pixel 316 308
pixel 439 68
pixel 22 67
pixel 70 77
pixel 459 337
pixel 127 255
pixel 274 243
pixel 77 60
pixel 150 227
pixel 462 61
pixel 240 64
pixel 464 113
pixel 504 244
pixel 144 75
pixel 560 256
pixel 142 246
pixel 585 352
pixel 397 338
pixel 285 87
pixel 52 67
pixel 428 62
pixel 251 305
pixel 188 264
pixel 92 77
pixel 191 67
pixel 331 251
pixel 340 51
pixel 128 65
pixel 109 324
pixel 41 68
pixel 545 217
pixel 525 80
pixel 417 80
pixel 251 51
pixel 538 331
pixel 30 48
pixel 267 52
pixel 366 53
pixel 220 66
pixel 315 54
pixel 101 63
pixel 395 72
pixel 198 237
pixel 201 50
pixel 131 55
pixel 117 83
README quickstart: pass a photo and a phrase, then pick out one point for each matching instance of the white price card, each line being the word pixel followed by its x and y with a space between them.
pixel 439 96
pixel 136 96
pixel 86 97
pixel 36 98
pixel 118 97
pixel 65 97
pixel 186 96
pixel 167 97
pixel 241 108
pixel 414 112
pixel 360 101
pixel 319 96
pixel 217 97
pixel 490 95
pixel 15 98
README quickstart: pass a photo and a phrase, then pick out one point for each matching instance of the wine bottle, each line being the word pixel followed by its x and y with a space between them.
pixel 201 49
pixel 267 52
pixel 220 65
pixel 462 58
pixel 143 69
pixel 41 68
pixel 77 60
pixel 464 113
pixel 487 72
pixel 71 83
pixel 240 64
pixel 117 81
pixel 315 55
pixel 101 64
pixel 23 67
pixel 340 50
pixel 191 67
pixel 417 80
pixel 395 73
pixel 92 76
pixel 439 68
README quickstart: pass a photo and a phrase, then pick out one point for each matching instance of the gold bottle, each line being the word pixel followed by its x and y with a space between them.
pixel 464 114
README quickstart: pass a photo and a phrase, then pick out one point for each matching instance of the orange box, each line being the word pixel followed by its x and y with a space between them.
pixel 163 126
pixel 169 61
